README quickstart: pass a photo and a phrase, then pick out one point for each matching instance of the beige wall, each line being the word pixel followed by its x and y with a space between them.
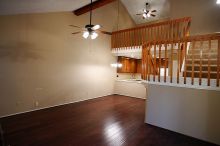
pixel 204 13
pixel 192 112
pixel 42 63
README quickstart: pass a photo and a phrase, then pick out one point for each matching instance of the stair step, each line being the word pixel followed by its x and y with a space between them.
pixel 204 68
pixel 204 74
pixel 203 60
pixel 204 56
pixel 197 51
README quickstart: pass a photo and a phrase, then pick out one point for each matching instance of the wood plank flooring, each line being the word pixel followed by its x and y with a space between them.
pixel 108 121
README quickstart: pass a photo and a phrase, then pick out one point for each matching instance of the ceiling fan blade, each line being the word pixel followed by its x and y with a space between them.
pixel 96 27
pixel 154 11
pixel 105 32
pixel 74 26
pixel 76 32
pixel 153 15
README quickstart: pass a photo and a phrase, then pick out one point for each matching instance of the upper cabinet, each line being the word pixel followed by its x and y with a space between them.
pixel 139 66
pixel 129 65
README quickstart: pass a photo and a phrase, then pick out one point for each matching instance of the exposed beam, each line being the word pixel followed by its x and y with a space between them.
pixel 95 5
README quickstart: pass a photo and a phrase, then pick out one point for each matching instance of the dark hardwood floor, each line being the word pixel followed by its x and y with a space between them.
pixel 107 121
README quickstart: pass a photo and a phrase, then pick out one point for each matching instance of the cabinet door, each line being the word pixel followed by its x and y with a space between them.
pixel 129 65
pixel 122 61
pixel 132 66
pixel 139 66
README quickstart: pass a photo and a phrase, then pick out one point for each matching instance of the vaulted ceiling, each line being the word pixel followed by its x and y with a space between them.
pixel 137 6
pixel 8 7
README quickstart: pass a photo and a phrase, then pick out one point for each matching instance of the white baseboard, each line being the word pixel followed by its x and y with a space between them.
pixel 53 106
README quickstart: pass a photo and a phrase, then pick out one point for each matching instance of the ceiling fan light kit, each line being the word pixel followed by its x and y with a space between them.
pixel 90 30
pixel 147 13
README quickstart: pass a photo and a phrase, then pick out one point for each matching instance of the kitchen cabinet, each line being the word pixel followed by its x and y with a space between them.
pixel 139 66
pixel 129 65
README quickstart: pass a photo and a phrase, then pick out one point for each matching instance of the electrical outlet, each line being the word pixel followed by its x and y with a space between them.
pixel 36 103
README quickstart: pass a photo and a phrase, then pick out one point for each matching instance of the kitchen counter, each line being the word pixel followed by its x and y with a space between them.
pixel 130 80
pixel 130 87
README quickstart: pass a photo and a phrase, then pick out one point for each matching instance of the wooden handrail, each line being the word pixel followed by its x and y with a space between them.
pixel 167 30
pixel 155 24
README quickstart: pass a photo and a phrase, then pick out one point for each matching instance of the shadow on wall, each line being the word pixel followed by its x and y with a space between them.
pixel 20 53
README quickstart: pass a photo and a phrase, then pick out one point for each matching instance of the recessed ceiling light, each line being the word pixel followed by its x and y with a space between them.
pixel 218 2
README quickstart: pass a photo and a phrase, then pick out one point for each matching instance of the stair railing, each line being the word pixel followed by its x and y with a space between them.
pixel 204 50
pixel 136 37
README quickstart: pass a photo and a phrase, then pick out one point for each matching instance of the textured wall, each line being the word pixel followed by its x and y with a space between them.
pixel 43 65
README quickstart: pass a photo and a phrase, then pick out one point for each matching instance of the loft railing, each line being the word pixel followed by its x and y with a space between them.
pixel 189 60
pixel 167 30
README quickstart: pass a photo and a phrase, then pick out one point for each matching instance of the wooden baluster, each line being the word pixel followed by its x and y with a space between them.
pixel 159 61
pixel 193 69
pixel 142 36
pixel 145 35
pixel 218 63
pixel 178 63
pixel 149 61
pixel 165 66
pixel 209 63
pixel 200 63
pixel 123 39
pixel 126 40
pixel 185 67
pixel 154 64
pixel 177 31
pixel 132 38
pixel 139 36
pixel 112 41
pixel 171 63
pixel 119 40
pixel 143 63
pixel 135 37
pixel 116 40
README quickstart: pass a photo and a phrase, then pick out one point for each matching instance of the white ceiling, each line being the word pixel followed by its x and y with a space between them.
pixel 8 7
pixel 137 6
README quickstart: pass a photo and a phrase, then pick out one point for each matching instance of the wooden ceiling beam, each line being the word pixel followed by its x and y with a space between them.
pixel 95 5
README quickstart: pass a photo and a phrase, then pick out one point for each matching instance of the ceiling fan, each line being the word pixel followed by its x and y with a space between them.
pixel 147 13
pixel 90 30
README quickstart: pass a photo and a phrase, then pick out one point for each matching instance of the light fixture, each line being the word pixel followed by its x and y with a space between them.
pixel 218 2
pixel 86 34
pixel 145 15
pixel 92 34
pixel 148 14
pixel 96 27
pixel 116 65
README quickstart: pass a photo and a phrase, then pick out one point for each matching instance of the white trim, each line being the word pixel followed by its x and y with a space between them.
pixel 53 106
pixel 182 85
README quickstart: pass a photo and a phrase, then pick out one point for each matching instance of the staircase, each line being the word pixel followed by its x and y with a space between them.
pixel 203 59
